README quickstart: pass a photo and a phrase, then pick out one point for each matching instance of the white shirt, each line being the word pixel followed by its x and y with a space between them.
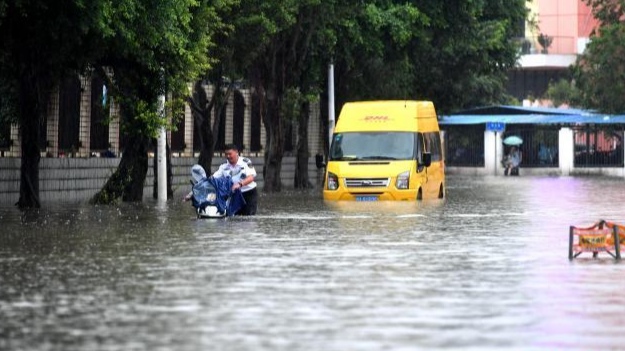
pixel 238 172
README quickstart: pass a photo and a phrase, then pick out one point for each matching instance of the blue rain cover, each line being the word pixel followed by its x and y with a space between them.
pixel 216 192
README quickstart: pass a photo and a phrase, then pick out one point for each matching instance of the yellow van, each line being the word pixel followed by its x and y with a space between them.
pixel 385 150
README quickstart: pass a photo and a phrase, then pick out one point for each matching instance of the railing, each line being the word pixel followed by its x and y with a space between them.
pixel 464 146
pixel 566 45
pixel 594 146
pixel 540 145
pixel 598 147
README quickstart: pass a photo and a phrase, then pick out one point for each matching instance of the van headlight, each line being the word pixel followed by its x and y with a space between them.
pixel 333 181
pixel 403 180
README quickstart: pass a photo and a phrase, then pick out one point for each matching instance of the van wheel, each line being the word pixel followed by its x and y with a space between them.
pixel 419 195
pixel 441 192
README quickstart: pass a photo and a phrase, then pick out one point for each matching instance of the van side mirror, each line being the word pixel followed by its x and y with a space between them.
pixel 427 159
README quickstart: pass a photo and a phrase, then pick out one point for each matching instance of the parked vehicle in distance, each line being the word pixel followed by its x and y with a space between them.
pixel 385 150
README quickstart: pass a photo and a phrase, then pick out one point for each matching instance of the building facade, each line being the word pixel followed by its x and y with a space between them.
pixel 551 39
pixel 82 121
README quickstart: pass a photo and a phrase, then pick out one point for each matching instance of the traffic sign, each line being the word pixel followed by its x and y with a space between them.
pixel 495 126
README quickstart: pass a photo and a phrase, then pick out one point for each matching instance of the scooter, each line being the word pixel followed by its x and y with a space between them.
pixel 207 201
pixel 210 211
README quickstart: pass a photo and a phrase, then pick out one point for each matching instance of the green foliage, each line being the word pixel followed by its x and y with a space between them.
pixel 600 71
pixel 372 54
pixel 293 98
pixel 175 110
pixel 453 53
pixel 152 46
pixel 8 102
pixel 563 92
pixel 456 54
pixel 466 62
pixel 545 41
pixel 41 43
pixel 142 31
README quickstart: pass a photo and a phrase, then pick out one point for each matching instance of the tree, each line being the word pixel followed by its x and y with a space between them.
pixel 371 55
pixel 226 59
pixel 471 52
pixel 40 43
pixel 152 47
pixel 454 53
pixel 600 71
pixel 297 41
pixel 314 28
pixel 280 54
pixel 564 91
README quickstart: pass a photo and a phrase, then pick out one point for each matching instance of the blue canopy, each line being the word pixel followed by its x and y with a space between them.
pixel 529 115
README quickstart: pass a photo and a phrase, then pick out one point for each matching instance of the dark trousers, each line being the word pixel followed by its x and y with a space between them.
pixel 251 200
pixel 514 171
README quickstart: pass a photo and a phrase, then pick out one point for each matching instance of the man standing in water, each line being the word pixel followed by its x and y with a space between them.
pixel 243 174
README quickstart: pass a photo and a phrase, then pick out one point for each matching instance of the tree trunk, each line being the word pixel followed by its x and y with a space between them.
pixel 128 180
pixel 33 103
pixel 29 171
pixel 170 174
pixel 207 141
pixel 201 108
pixel 275 147
pixel 155 170
pixel 301 167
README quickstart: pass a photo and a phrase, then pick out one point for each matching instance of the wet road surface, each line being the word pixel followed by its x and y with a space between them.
pixel 486 268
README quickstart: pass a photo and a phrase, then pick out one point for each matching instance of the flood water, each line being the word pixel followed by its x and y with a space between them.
pixel 486 268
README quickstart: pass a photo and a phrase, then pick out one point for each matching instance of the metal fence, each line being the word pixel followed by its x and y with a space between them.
pixel 539 147
pixel 464 145
pixel 598 146
pixel 594 146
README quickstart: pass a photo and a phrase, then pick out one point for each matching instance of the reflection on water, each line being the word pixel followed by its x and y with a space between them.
pixel 486 268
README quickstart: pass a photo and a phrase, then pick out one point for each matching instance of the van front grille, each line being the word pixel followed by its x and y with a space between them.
pixel 366 182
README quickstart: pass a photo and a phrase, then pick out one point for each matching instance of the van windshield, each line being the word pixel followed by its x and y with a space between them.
pixel 373 146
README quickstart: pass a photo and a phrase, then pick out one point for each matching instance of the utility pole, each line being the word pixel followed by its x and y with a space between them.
pixel 161 154
pixel 330 106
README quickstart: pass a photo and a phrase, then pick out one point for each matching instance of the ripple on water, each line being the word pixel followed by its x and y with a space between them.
pixel 486 268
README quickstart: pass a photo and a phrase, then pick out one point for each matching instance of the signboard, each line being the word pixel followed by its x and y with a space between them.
pixel 495 126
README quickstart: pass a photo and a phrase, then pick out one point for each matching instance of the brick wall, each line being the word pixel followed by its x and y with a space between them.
pixel 78 179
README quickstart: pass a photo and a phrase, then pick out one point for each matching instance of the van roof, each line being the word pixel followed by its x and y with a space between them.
pixel 389 115
pixel 406 103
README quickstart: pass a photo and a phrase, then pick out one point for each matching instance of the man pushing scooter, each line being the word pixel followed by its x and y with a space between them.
pixel 231 189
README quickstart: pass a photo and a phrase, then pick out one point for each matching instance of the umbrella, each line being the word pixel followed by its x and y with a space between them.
pixel 513 140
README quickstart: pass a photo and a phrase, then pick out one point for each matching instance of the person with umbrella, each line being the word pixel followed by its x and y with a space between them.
pixel 513 159
pixel 512 162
